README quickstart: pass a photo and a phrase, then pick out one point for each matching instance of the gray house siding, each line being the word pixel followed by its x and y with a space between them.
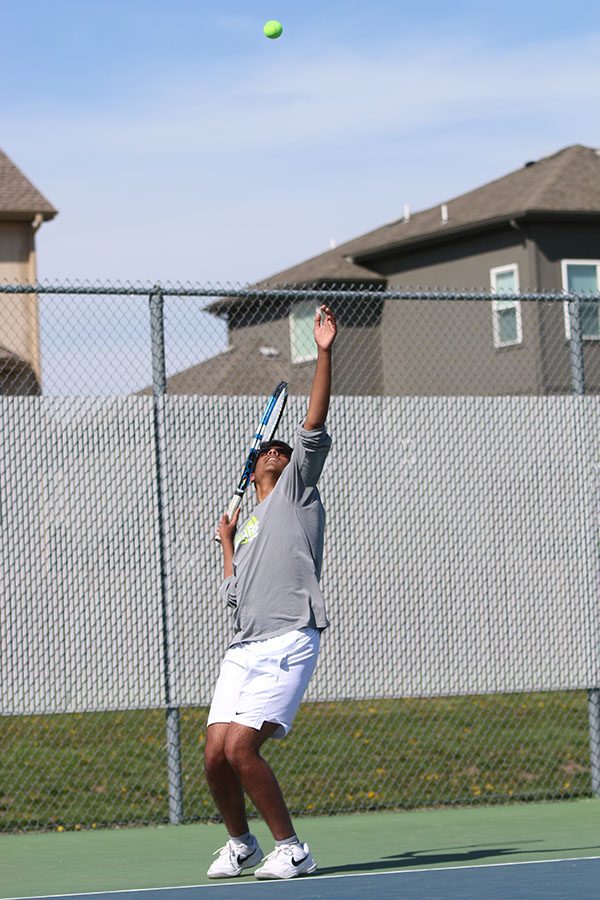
pixel 462 263
pixel 424 347
pixel 555 242
pixel 358 367
pixel 259 353
pixel 448 347
pixel 535 217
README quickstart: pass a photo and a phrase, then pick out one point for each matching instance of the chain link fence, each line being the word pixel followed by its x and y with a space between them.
pixel 461 562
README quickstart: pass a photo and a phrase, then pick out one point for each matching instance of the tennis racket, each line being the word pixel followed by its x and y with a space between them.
pixel 265 431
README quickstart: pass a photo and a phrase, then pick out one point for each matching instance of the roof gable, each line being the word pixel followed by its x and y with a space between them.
pixel 18 196
pixel 566 182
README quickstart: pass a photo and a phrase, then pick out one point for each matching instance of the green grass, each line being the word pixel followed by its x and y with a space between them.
pixel 95 769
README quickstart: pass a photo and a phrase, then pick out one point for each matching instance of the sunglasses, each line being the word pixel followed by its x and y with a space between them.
pixel 281 451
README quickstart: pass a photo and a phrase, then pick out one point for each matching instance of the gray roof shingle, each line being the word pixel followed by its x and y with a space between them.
pixel 18 197
pixel 566 182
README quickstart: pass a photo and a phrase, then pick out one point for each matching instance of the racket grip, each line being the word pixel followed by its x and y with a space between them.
pixel 231 511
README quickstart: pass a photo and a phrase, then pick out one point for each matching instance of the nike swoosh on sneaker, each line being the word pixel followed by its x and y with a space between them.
pixel 243 859
pixel 298 862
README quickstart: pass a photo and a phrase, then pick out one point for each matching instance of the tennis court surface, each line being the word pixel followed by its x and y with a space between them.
pixel 549 850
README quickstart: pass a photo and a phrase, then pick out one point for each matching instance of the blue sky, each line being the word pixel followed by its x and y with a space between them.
pixel 180 144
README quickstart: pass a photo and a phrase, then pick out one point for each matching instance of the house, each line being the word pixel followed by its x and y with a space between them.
pixel 535 229
pixel 22 210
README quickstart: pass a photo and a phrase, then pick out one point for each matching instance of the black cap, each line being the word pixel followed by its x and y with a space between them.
pixel 266 445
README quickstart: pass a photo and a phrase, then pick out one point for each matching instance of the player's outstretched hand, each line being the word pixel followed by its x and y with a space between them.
pixel 227 527
pixel 325 327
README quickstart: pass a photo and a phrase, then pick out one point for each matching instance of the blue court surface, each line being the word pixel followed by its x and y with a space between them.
pixel 569 878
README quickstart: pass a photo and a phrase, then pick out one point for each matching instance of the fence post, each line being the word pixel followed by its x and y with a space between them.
pixel 594 719
pixel 578 385
pixel 576 346
pixel 159 389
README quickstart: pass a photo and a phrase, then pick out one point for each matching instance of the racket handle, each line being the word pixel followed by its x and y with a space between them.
pixel 233 507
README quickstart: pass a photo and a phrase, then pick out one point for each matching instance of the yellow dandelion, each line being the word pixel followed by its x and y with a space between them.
pixel 60 828
pixel 567 785
pixel 310 805
pixel 476 790
pixel 371 794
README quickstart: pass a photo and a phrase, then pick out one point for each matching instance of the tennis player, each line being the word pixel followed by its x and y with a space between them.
pixel 272 566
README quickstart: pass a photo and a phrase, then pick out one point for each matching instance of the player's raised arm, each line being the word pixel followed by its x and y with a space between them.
pixel 227 529
pixel 325 332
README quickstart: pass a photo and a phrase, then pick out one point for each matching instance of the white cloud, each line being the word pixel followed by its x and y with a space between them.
pixel 329 98
pixel 236 173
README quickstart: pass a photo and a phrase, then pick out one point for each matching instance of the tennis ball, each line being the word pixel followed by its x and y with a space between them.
pixel 273 29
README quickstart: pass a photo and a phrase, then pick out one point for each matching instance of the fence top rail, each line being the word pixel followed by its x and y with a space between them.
pixel 293 292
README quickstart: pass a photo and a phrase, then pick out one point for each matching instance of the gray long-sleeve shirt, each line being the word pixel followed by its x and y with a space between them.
pixel 279 551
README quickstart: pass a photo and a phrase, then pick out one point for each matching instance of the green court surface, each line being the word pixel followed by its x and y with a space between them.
pixel 130 858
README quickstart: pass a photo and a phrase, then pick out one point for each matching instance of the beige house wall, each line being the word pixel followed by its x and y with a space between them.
pixel 19 314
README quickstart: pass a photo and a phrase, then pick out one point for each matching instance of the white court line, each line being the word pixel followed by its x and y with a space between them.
pixel 241 884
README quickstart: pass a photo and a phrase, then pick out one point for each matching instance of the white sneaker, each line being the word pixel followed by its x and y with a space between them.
pixel 288 861
pixel 234 858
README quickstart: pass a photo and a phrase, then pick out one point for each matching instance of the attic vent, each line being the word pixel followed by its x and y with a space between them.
pixel 530 163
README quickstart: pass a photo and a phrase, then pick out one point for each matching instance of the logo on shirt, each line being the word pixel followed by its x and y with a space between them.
pixel 248 533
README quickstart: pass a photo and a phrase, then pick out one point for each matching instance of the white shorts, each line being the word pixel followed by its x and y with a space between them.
pixel 264 681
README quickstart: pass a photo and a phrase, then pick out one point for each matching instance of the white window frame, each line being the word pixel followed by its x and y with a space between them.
pixel 564 264
pixel 307 357
pixel 498 305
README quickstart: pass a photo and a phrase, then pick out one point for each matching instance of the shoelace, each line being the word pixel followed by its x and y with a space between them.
pixel 288 849
pixel 228 847
pixel 231 849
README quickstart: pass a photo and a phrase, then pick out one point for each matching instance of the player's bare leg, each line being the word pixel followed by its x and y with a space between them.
pixel 242 746
pixel 224 784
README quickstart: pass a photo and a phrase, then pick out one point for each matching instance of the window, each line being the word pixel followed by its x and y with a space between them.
pixel 506 314
pixel 302 324
pixel 582 275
